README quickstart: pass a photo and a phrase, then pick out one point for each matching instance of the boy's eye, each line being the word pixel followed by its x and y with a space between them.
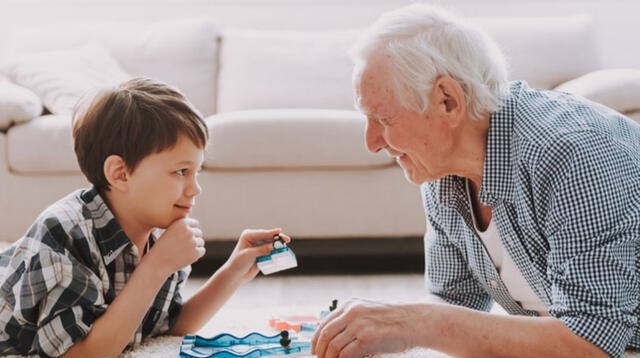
pixel 181 172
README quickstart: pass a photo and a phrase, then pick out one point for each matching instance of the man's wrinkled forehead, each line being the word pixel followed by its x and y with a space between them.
pixel 372 87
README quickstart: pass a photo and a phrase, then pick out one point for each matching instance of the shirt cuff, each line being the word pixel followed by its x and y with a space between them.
pixel 611 336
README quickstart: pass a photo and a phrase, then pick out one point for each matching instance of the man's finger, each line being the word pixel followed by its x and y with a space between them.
pixel 325 321
pixel 329 331
pixel 338 343
pixel 354 349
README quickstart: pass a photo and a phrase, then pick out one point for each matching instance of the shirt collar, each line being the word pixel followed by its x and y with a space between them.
pixel 497 177
pixel 110 237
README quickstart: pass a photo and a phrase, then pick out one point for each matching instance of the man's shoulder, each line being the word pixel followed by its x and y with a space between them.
pixel 547 122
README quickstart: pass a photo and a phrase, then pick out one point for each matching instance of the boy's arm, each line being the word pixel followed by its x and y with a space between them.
pixel 179 246
pixel 240 268
pixel 111 333
pixel 206 302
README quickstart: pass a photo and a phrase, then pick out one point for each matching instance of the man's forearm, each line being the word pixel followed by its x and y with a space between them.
pixel 111 333
pixel 205 303
pixel 463 332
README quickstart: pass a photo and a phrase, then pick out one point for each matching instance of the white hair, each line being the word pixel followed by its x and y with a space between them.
pixel 424 42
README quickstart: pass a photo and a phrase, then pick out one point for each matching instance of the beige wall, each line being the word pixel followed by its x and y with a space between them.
pixel 616 20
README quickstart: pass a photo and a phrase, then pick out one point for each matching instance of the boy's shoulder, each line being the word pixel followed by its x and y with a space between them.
pixel 67 220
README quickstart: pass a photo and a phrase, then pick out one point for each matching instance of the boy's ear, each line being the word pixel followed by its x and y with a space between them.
pixel 448 96
pixel 116 173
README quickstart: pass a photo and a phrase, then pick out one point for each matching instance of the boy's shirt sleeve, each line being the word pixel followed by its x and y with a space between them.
pixel 50 300
pixel 175 307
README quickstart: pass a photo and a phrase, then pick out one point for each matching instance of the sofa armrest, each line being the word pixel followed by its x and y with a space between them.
pixel 618 89
pixel 17 105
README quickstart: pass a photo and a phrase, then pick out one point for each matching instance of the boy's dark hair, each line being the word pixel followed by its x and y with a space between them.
pixel 138 118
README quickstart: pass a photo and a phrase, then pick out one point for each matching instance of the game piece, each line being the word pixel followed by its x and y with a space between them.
pixel 280 258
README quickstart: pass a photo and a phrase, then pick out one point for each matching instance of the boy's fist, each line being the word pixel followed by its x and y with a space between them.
pixel 179 246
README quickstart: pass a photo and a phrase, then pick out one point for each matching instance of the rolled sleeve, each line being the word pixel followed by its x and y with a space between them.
pixel 593 225
pixel 611 336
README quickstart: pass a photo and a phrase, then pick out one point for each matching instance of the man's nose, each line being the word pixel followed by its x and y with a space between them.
pixel 373 137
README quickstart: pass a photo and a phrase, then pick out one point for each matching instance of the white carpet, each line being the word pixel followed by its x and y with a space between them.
pixel 241 322
pixel 252 306
pixel 244 321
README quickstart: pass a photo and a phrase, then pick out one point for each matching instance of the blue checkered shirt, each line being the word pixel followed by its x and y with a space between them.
pixel 62 275
pixel 562 176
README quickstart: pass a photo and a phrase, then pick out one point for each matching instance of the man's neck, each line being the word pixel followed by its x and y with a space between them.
pixel 472 149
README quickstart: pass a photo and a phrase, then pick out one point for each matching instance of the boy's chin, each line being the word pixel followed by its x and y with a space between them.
pixel 164 224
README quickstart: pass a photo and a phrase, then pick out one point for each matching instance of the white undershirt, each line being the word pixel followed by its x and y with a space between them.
pixel 510 274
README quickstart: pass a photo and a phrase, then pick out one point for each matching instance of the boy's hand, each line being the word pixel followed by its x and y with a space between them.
pixel 180 245
pixel 242 262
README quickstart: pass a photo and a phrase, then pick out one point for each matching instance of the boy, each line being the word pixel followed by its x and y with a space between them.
pixel 90 277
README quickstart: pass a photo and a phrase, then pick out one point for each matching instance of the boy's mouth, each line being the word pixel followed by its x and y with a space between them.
pixel 186 208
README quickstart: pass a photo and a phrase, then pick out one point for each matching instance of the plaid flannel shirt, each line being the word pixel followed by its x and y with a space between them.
pixel 562 175
pixel 62 275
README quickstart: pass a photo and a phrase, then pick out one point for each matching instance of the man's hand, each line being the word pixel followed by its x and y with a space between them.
pixel 242 262
pixel 363 327
pixel 180 245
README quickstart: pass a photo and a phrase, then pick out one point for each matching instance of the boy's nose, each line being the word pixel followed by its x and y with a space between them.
pixel 194 189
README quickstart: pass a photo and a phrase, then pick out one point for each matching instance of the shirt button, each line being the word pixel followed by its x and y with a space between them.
pixel 494 283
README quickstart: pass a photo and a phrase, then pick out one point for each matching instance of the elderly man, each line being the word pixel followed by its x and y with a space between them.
pixel 532 200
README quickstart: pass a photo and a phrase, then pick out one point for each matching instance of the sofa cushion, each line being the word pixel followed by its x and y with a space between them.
pixel 285 69
pixel 61 77
pixel 311 69
pixel 247 139
pixel 17 104
pixel 545 51
pixel 182 53
pixel 615 88
pixel 289 139
pixel 42 145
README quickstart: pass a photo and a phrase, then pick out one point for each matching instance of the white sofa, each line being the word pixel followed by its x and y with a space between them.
pixel 287 147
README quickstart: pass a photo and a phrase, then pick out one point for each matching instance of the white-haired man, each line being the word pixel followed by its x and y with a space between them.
pixel 532 200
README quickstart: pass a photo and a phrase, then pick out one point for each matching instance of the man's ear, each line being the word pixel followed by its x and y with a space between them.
pixel 448 96
pixel 116 173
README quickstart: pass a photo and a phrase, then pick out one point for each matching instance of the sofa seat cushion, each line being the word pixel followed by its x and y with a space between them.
pixel 247 139
pixel 43 145
pixel 289 138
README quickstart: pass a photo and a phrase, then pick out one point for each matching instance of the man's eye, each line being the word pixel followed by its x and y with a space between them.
pixel 181 172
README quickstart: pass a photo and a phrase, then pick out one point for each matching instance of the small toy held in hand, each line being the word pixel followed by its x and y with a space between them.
pixel 280 258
